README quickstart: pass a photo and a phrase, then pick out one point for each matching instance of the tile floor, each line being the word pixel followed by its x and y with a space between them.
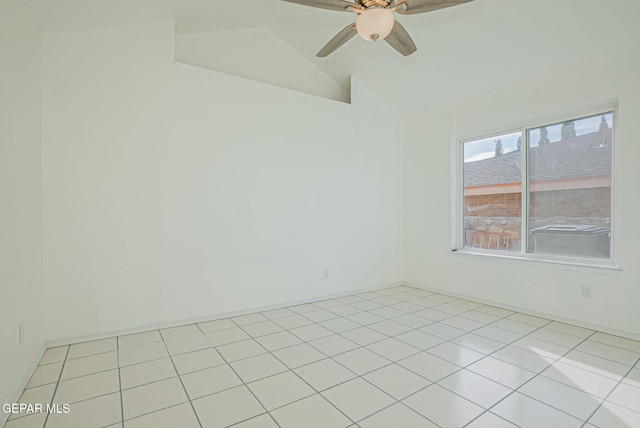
pixel 398 357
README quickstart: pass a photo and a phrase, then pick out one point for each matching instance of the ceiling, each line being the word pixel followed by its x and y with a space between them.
pixel 462 51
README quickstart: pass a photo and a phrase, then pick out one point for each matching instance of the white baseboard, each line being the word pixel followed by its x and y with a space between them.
pixel 23 384
pixel 177 323
pixel 553 317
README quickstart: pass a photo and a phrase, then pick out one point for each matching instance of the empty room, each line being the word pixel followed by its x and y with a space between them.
pixel 319 213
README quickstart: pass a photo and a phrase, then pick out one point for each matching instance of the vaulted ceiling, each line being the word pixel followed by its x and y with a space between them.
pixel 462 51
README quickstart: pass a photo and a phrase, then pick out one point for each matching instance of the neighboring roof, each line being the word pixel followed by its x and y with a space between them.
pixel 581 156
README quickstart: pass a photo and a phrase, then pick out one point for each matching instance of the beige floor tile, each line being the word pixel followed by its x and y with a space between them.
pixel 227 407
pixel 274 314
pixel 501 372
pixel 180 331
pixel 32 421
pixel 361 360
pixel 419 339
pixel 524 411
pixel 363 336
pixel 593 363
pixel 182 345
pixel 215 325
pixel 489 420
pixel 89 365
pixel 210 381
pixel 249 319
pixel 152 397
pixel 451 409
pixel 281 389
pixel 48 373
pixel 611 415
pixel 97 412
pixel 392 349
pixel 358 399
pixel 315 411
pixel 563 397
pixel 91 348
pixel 397 381
pixel 429 366
pixel 198 360
pixel 614 353
pixel 54 355
pixel 137 339
pixel 475 388
pixel 149 372
pixel 240 350
pixel 275 341
pixel 478 343
pixel 617 341
pixel 226 336
pixel 396 416
pixel 455 354
pixel 262 421
pixel 42 395
pixel 587 381
pixel 524 359
pixel 626 395
pixel 413 321
pixel 292 321
pixel 142 354
pixel 311 332
pixel 320 315
pixel 181 416
pixel 261 328
pixel 258 367
pixel 299 355
pixel 556 337
pixel 86 387
pixel 324 374
pixel 541 347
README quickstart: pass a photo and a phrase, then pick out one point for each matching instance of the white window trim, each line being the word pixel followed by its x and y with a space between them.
pixel 457 189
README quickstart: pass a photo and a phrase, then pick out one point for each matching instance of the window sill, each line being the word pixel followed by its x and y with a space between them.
pixel 549 259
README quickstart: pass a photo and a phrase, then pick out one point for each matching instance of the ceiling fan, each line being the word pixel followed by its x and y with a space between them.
pixel 375 20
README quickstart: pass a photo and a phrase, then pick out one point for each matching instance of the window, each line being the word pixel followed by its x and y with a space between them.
pixel 542 191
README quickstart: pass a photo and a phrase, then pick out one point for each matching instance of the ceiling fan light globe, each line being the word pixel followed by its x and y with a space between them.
pixel 374 24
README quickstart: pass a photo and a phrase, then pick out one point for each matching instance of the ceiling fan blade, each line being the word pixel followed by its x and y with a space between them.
pixel 339 5
pixel 400 40
pixel 420 6
pixel 338 40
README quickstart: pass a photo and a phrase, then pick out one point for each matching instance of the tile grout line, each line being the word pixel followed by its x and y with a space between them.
pixel 413 329
pixel 387 336
pixel 55 391
pixel 180 379
pixel 486 355
pixel 294 372
pixel 120 381
pixel 243 384
pixel 396 401
pixel 514 390
pixel 604 400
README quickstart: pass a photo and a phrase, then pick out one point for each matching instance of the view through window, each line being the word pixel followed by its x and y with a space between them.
pixel 566 196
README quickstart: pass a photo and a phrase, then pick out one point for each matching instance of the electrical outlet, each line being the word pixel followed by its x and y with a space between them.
pixel 586 291
pixel 21 332
pixel 325 273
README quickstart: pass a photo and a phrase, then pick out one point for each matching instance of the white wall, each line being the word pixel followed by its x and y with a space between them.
pixel 534 287
pixel 21 292
pixel 260 55
pixel 173 192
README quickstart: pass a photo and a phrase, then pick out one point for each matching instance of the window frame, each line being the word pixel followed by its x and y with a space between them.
pixel 458 195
